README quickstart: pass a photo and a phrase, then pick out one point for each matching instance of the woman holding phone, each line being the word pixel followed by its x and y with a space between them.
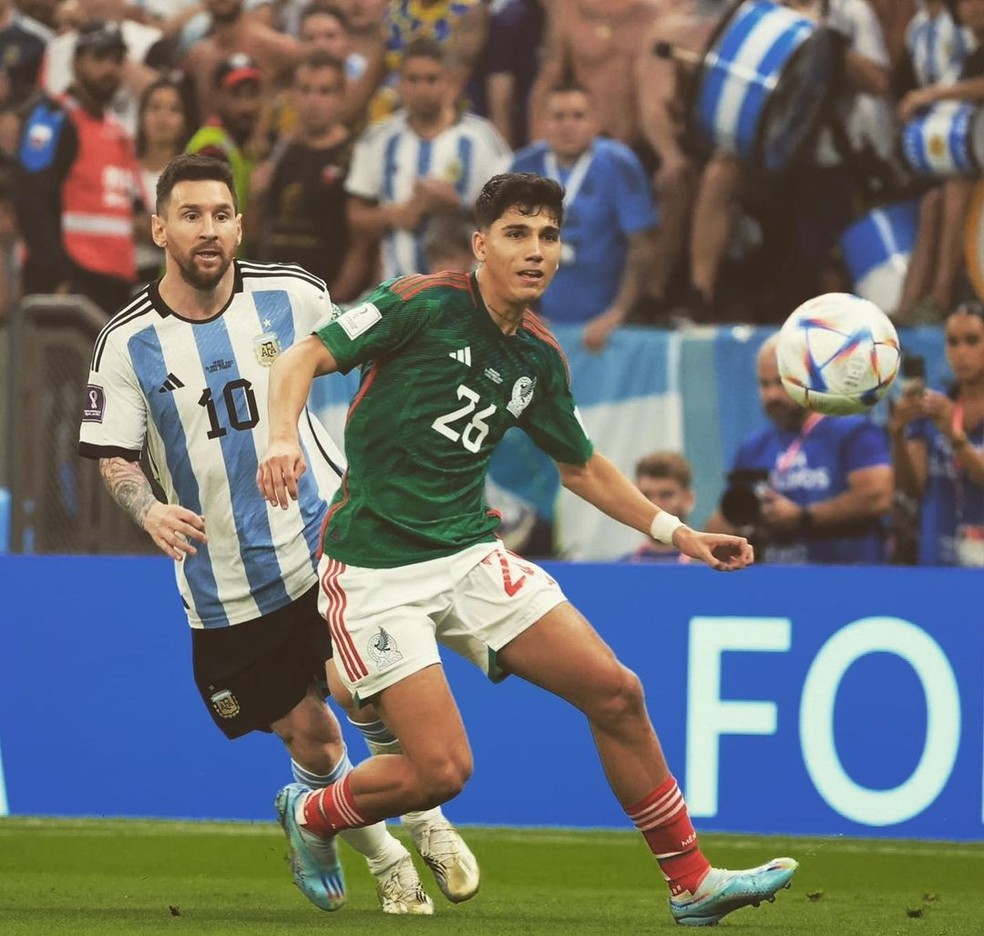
pixel 938 447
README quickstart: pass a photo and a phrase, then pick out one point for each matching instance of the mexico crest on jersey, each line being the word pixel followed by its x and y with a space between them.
pixel 267 348
pixel 522 394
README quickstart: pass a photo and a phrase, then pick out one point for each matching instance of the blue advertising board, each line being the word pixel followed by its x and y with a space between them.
pixel 820 701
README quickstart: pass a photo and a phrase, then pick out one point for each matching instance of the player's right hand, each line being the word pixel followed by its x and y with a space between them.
pixel 279 472
pixel 173 527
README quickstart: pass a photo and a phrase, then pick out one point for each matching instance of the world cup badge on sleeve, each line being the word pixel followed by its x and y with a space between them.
pixel 95 404
pixel 267 348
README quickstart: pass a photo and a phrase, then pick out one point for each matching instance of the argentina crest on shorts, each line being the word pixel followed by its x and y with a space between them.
pixel 225 703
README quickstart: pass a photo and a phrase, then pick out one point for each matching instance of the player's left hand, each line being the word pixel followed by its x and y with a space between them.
pixel 279 471
pixel 721 551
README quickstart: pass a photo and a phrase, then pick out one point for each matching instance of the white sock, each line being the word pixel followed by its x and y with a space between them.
pixel 375 843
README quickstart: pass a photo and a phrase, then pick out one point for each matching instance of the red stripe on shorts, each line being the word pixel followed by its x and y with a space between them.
pixel 341 638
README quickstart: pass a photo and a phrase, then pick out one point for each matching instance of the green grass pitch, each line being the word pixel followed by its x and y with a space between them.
pixel 100 878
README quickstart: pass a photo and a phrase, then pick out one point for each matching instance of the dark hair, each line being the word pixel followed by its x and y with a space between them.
pixel 148 93
pixel 446 232
pixel 526 191
pixel 670 465
pixel 321 59
pixel 969 307
pixel 99 37
pixel 324 9
pixel 424 47
pixel 570 86
pixel 190 167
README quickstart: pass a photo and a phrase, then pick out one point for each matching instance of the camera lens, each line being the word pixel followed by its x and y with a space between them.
pixel 740 506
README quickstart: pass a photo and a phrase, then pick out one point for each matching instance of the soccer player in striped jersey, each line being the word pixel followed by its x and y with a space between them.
pixel 451 362
pixel 183 369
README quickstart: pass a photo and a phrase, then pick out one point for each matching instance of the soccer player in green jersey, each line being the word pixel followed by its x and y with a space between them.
pixel 450 362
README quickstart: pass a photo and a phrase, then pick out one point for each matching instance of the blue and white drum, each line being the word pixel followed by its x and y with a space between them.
pixel 877 249
pixel 763 84
pixel 946 139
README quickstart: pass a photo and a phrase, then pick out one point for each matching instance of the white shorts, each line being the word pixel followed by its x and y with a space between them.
pixel 386 623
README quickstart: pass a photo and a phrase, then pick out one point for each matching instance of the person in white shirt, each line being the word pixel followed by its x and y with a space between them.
pixel 426 159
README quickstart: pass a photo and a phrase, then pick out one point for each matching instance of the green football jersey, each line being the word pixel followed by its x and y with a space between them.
pixel 441 385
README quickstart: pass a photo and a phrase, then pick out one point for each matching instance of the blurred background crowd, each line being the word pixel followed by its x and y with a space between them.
pixel 361 130
pixel 723 161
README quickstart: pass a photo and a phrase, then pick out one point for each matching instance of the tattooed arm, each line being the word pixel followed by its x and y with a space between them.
pixel 170 526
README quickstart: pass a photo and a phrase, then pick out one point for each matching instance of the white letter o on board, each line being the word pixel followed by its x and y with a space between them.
pixel 924 655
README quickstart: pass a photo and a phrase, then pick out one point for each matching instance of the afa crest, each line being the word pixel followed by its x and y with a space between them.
pixel 225 703
pixel 267 348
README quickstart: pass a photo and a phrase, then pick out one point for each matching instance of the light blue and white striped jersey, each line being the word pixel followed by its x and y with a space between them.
pixel 937 46
pixel 196 393
pixel 389 157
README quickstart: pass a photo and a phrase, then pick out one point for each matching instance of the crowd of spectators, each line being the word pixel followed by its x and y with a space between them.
pixel 359 132
pixel 386 115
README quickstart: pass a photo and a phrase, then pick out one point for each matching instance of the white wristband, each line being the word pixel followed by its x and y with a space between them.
pixel 663 527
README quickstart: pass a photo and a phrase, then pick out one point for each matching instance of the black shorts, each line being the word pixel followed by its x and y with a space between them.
pixel 252 674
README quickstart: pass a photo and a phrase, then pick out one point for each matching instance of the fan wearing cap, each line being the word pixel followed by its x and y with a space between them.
pixel 76 197
pixel 227 135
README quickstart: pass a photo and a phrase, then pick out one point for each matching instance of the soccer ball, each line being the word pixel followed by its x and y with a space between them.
pixel 838 354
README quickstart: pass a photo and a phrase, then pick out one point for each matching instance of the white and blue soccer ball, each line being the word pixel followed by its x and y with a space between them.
pixel 838 354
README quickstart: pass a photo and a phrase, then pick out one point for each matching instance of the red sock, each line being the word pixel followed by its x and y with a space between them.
pixel 332 809
pixel 665 824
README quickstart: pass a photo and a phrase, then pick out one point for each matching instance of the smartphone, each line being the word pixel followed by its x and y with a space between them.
pixel 913 376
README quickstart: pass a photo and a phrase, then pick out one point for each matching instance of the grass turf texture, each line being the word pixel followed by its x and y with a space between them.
pixel 99 878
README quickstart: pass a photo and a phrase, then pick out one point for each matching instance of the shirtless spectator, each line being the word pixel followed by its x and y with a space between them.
pixel 598 43
pixel 894 16
pixel 663 89
pixel 234 31
pixel 364 19
pixel 323 30
pixel 819 196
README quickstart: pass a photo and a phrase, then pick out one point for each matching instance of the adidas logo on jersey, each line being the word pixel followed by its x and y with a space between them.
pixel 172 383
pixel 463 356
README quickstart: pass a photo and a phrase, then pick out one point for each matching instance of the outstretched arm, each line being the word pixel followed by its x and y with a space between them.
pixel 170 526
pixel 290 384
pixel 603 485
